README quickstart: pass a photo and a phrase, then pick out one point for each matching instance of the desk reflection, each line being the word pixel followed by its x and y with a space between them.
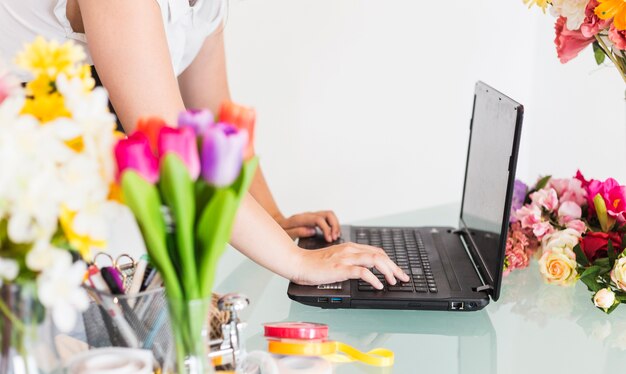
pixel 423 341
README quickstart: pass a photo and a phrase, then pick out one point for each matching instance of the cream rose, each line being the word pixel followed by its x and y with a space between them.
pixel 618 274
pixel 567 238
pixel 558 266
pixel 604 299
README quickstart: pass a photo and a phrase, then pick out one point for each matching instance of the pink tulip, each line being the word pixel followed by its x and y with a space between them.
pixel 222 154
pixel 182 142
pixel 133 153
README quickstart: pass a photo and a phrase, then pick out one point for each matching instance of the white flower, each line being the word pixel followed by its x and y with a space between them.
pixel 557 265
pixel 618 274
pixel 604 299
pixel 567 238
pixel 9 269
pixel 59 289
pixel 573 10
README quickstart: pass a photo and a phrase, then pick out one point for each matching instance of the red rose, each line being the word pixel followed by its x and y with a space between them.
pixel 595 244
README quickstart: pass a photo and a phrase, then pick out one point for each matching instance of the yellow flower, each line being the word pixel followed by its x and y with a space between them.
pixel 558 266
pixel 543 4
pixel 50 58
pixel 46 107
pixel 84 74
pixel 615 9
pixel 82 243
pixel 40 86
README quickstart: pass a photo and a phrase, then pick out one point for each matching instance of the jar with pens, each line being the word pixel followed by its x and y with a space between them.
pixel 184 186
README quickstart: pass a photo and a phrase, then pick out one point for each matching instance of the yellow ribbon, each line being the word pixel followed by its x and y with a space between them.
pixel 332 351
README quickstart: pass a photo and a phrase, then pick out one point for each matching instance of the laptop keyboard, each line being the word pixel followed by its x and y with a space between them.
pixel 404 247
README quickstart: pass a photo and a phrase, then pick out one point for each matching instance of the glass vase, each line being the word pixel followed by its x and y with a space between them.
pixel 26 332
pixel 190 329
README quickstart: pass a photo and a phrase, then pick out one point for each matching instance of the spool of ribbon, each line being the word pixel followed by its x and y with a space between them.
pixel 332 351
pixel 296 330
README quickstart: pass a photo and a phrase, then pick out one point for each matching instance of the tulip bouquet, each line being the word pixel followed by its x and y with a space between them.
pixel 56 170
pixel 580 23
pixel 579 226
pixel 184 186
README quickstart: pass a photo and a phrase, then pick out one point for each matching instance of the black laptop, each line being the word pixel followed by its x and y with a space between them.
pixel 451 268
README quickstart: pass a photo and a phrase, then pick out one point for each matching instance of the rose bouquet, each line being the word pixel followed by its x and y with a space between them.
pixel 580 23
pixel 579 225
pixel 184 186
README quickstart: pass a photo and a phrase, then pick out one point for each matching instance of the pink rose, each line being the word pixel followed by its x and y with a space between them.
pixel 569 211
pixel 528 215
pixel 542 229
pixel 618 37
pixel 569 43
pixel 569 189
pixel 592 25
pixel 545 198
pixel 577 225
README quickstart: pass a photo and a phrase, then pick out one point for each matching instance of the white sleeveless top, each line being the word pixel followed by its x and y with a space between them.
pixel 186 27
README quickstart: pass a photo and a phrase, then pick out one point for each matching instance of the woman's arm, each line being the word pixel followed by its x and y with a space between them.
pixel 260 238
pixel 204 84
pixel 128 45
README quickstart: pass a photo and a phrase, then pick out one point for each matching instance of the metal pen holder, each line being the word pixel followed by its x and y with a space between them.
pixel 142 321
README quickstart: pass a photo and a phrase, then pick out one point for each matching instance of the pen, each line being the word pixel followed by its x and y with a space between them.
pixel 113 279
pixel 96 281
pixel 148 279
pixel 140 271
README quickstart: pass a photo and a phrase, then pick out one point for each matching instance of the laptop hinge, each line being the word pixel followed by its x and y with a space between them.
pixel 484 287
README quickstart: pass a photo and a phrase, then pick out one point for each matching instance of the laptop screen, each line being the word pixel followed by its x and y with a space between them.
pixel 489 176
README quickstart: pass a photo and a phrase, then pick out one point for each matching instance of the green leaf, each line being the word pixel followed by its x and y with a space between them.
pixel 204 193
pixel 244 180
pixel 216 221
pixel 591 283
pixel 611 253
pixel 604 262
pixel 213 233
pixel 621 298
pixel 542 182
pixel 144 201
pixel 598 53
pixel 581 258
pixel 591 272
pixel 177 189
pixel 601 212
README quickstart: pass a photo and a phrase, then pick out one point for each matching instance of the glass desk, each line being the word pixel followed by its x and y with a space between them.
pixel 533 328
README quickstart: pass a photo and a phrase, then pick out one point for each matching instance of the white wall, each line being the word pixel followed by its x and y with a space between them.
pixel 364 106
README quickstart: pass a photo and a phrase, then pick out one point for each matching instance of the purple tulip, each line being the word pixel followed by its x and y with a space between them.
pixel 182 142
pixel 134 153
pixel 198 119
pixel 222 154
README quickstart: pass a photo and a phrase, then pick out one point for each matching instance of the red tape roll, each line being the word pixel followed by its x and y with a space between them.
pixel 296 330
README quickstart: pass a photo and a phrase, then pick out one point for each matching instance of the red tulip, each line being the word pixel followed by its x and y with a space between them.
pixel 133 153
pixel 151 127
pixel 182 142
pixel 242 118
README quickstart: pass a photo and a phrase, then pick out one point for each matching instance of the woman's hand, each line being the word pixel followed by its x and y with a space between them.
pixel 346 261
pixel 303 225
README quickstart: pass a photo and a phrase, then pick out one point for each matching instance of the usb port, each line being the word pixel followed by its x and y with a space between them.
pixel 456 305
pixel 335 300
pixel 322 299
